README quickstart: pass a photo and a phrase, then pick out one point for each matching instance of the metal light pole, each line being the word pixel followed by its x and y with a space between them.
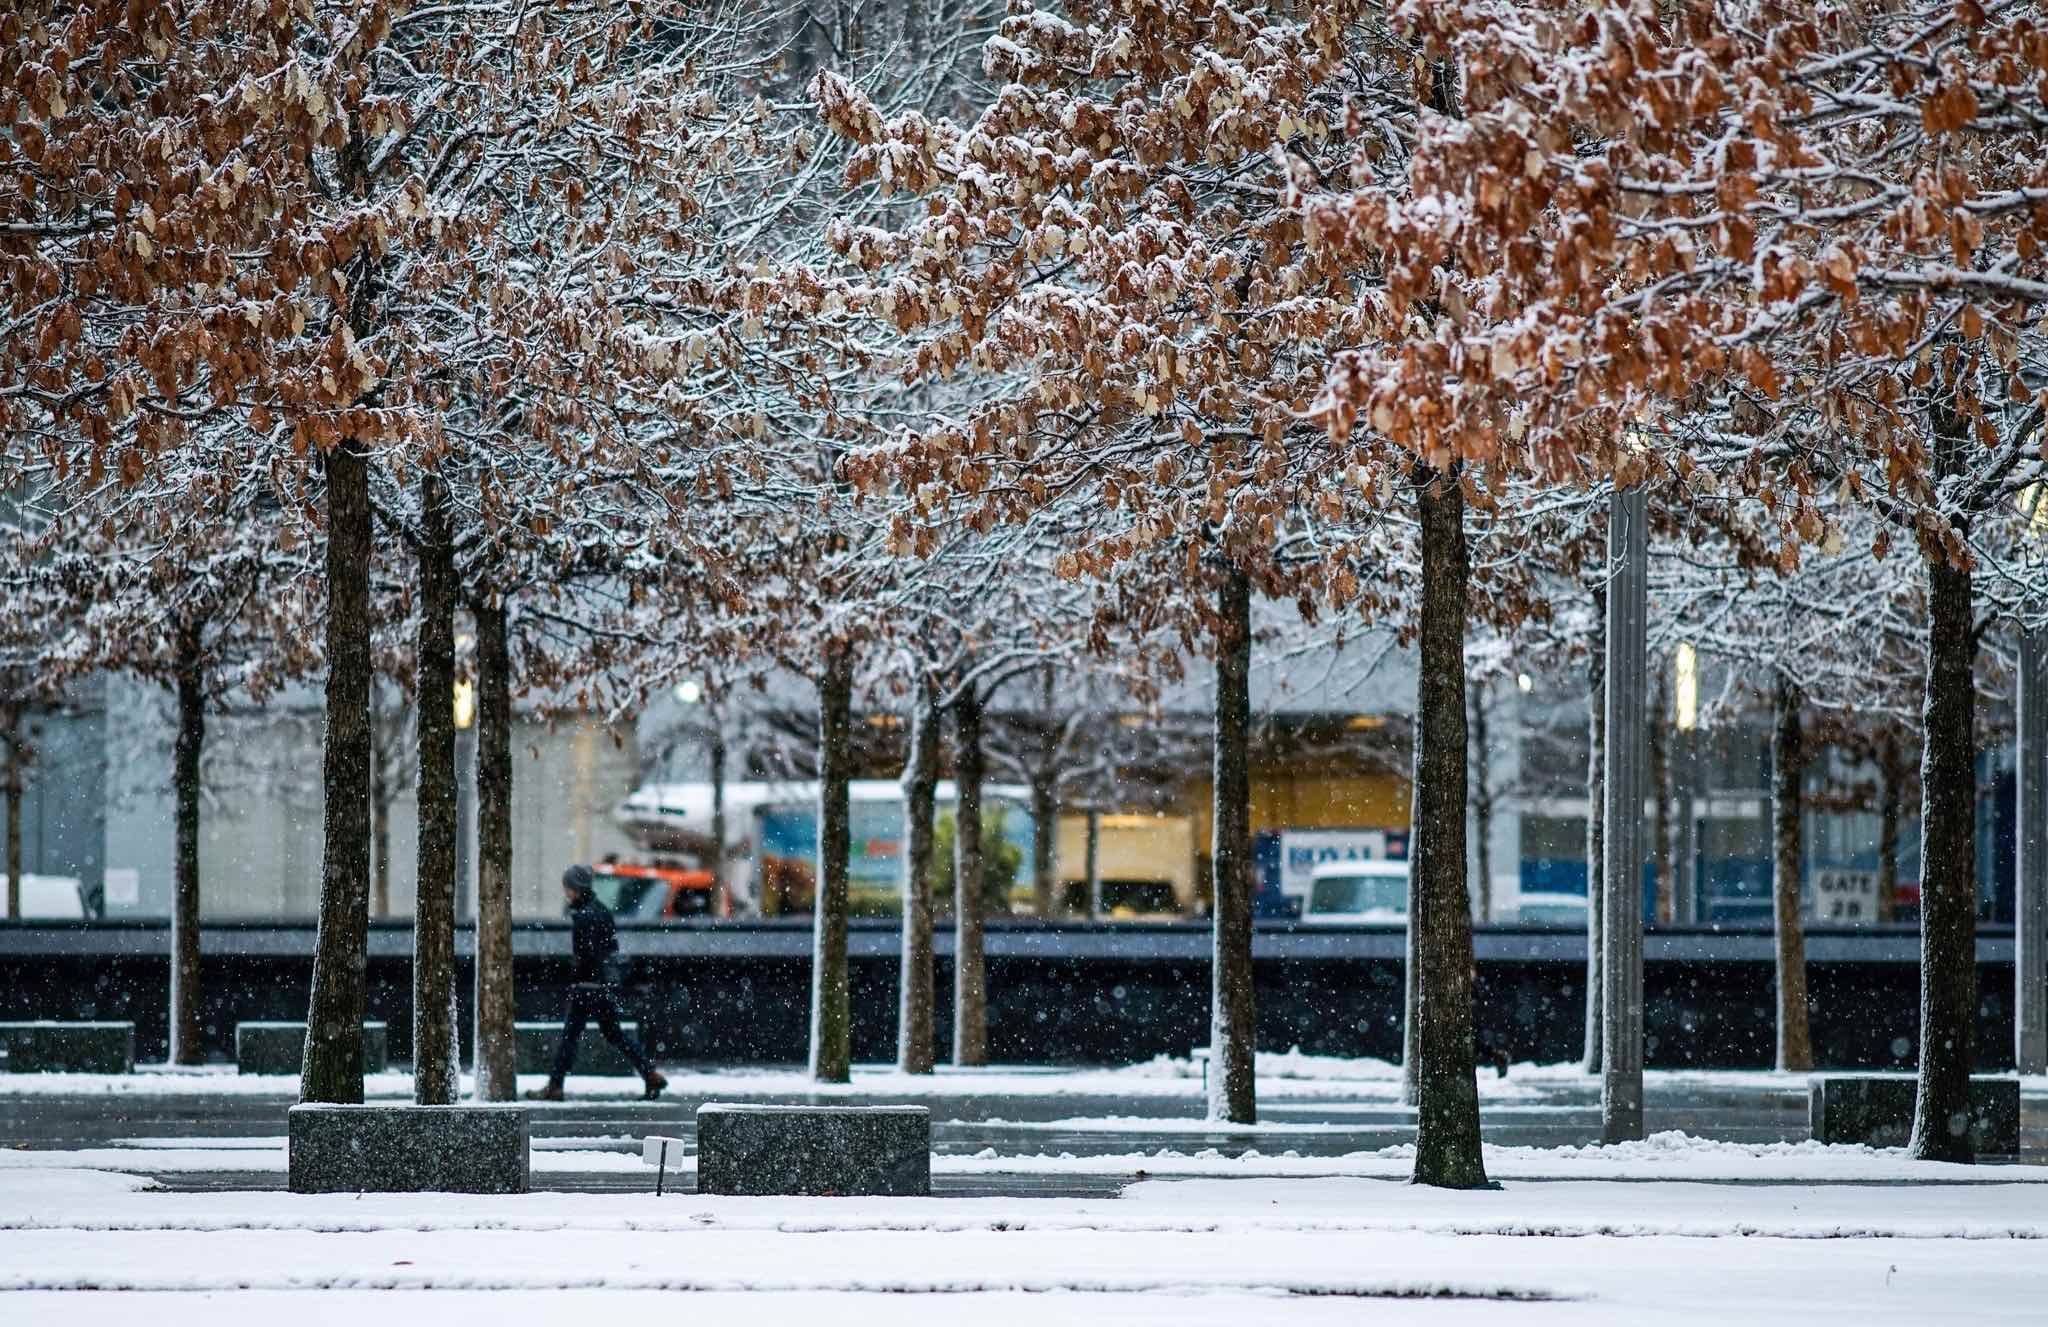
pixel 1621 941
pixel 2030 892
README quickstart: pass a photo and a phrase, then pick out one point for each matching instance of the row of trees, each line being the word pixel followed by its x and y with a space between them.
pixel 1782 270
pixel 578 320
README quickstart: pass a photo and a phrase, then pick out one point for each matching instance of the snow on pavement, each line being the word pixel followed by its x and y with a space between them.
pixel 352 1308
pixel 549 1156
pixel 1675 1229
pixel 1283 1075
pixel 32 1200
pixel 81 1247
pixel 1162 1080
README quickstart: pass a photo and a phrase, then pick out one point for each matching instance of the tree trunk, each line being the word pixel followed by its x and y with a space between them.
pixel 1660 788
pixel 714 861
pixel 1233 1027
pixel 831 1027
pixel 1890 811
pixel 1788 763
pixel 1948 855
pixel 333 1067
pixel 380 842
pixel 1411 960
pixel 496 1058
pixel 1447 1109
pixel 1596 798
pixel 915 995
pixel 970 886
pixel 13 790
pixel 433 925
pixel 1094 865
pixel 187 1044
pixel 1482 806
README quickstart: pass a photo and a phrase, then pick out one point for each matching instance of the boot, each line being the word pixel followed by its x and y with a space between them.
pixel 655 1083
pixel 552 1092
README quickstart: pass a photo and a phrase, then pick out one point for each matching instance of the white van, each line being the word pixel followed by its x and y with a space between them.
pixel 1368 892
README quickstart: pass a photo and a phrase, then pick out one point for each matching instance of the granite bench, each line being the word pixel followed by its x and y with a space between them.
pixel 279 1048
pixel 882 1151
pixel 407 1149
pixel 534 1050
pixel 51 1047
pixel 1877 1109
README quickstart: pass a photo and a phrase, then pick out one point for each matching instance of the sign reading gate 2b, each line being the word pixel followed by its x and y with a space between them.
pixel 1843 895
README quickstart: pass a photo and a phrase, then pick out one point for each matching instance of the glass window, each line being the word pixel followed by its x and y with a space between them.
pixel 622 894
pixel 1358 893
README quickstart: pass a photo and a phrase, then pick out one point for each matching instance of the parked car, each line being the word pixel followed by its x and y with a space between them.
pixel 1369 892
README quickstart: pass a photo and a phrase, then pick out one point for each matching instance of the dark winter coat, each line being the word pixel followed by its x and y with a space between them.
pixel 596 942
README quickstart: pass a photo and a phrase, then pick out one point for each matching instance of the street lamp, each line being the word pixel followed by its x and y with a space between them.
pixel 1688 687
pixel 464 704
pixel 1686 694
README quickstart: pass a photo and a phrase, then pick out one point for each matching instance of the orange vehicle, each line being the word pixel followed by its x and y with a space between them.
pixel 659 892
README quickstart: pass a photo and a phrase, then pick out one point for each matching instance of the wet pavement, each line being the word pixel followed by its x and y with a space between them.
pixel 1567 1115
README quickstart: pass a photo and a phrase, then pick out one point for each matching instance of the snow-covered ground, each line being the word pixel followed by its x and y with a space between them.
pixel 1215 1225
pixel 1284 1075
pixel 85 1247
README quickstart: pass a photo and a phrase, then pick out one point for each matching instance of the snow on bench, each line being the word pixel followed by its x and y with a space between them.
pixel 45 1046
pixel 883 1151
pixel 407 1149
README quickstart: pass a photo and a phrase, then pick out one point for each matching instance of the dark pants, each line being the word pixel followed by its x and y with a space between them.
pixel 600 1003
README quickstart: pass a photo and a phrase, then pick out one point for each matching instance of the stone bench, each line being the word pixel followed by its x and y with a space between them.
pixel 50 1047
pixel 1877 1109
pixel 279 1048
pixel 882 1151
pixel 407 1149
pixel 534 1050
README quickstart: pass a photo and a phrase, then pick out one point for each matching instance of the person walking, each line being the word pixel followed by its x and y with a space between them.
pixel 594 988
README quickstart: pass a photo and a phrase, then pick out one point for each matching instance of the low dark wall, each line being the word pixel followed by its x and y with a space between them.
pixel 1066 994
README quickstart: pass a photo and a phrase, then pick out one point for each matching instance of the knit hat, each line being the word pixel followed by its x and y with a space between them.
pixel 578 878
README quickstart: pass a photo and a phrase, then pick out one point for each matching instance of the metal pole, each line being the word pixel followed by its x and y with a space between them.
pixel 1621 968
pixel 465 821
pixel 2030 870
